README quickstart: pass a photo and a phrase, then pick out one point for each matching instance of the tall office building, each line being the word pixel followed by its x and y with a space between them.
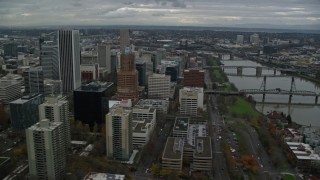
pixel 190 99
pixel 24 111
pixel 33 80
pixel 124 39
pixel 159 86
pixel 141 68
pixel 119 133
pixel 104 57
pixel 49 58
pixel 46 150
pixel 127 77
pixel 56 109
pixel 240 39
pixel 69 59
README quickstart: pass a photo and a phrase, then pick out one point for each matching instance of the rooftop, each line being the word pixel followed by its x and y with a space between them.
pixel 157 103
pixel 181 124
pixel 103 176
pixel 144 109
pixel 25 98
pixel 141 126
pixel 45 125
pixel 203 147
pixel 196 130
pixel 173 148
pixel 95 87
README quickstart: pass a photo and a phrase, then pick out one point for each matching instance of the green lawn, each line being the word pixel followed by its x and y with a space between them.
pixel 288 177
pixel 242 108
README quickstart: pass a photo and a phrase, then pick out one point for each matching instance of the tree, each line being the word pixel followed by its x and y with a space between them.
pixel 155 169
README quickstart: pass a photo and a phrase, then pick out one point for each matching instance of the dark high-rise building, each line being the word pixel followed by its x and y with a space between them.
pixel 24 112
pixel 91 103
pixel 10 49
pixel 33 80
pixel 127 77
pixel 69 59
pixel 173 71
pixel 193 78
pixel 141 68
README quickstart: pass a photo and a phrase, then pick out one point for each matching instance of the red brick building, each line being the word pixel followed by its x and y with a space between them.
pixel 193 78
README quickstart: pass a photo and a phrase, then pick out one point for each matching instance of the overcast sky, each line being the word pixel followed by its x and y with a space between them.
pixel 159 12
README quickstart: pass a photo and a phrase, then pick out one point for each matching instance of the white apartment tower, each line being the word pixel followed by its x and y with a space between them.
pixel 159 86
pixel 190 99
pixel 69 59
pixel 46 150
pixel 56 109
pixel 119 133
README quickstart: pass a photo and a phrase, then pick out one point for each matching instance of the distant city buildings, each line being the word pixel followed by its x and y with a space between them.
pixel 89 72
pixel 46 150
pixel 24 112
pixel 240 39
pixel 119 133
pixel 254 39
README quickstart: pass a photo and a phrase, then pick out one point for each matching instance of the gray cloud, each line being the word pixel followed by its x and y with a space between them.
pixel 159 12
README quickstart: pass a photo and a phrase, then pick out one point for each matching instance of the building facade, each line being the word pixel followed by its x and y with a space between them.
pixel 159 86
pixel 49 56
pixel 193 78
pixel 240 39
pixel 119 133
pixel 124 39
pixel 127 78
pixel 69 59
pixel 46 150
pixel 10 90
pixel 24 112
pixel 89 72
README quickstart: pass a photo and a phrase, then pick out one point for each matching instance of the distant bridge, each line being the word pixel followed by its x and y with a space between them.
pixel 255 75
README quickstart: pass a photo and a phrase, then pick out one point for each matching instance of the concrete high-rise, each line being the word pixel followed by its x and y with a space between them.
pixel 159 86
pixel 33 80
pixel 69 59
pixel 104 57
pixel 127 77
pixel 119 133
pixel 190 99
pixel 56 109
pixel 46 150
pixel 10 90
pixel 124 39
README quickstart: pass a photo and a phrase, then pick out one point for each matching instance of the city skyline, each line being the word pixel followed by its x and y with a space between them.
pixel 245 13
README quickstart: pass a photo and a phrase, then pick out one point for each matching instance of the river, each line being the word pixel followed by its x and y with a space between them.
pixel 301 114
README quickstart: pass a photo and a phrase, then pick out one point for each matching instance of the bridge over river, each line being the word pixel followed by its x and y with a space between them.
pixel 292 92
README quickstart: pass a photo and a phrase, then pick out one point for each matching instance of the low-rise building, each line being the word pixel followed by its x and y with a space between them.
pixel 202 155
pixel 10 90
pixel 141 132
pixel 103 176
pixel 160 105
pixel 173 154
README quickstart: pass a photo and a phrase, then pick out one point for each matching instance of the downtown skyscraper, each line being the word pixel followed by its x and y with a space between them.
pixel 69 59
